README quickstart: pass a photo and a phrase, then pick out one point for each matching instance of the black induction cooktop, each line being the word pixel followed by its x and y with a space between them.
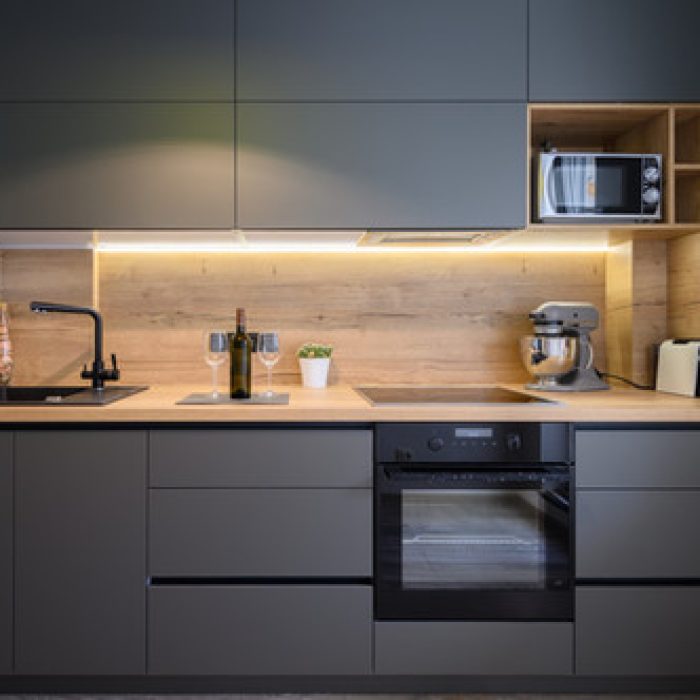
pixel 445 395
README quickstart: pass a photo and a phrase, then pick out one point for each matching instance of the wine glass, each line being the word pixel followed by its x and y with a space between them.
pixel 269 354
pixel 215 354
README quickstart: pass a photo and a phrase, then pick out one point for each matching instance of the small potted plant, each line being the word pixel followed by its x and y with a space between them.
pixel 314 360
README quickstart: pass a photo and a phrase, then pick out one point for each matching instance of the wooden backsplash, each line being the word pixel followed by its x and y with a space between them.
pixel 47 348
pixel 391 317
pixel 404 317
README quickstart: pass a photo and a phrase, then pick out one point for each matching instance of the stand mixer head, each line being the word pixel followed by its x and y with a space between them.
pixel 559 353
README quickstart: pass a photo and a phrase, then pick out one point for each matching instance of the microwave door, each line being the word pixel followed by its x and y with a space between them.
pixel 573 183
pixel 618 185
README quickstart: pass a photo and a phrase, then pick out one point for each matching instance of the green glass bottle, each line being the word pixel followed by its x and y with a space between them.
pixel 240 347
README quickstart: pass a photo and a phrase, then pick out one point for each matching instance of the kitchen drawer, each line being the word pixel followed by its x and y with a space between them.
pixel 238 630
pixel 261 458
pixel 473 648
pixel 256 532
pixel 649 631
pixel 637 458
pixel 637 534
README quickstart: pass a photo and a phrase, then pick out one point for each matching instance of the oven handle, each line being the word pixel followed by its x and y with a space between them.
pixel 396 478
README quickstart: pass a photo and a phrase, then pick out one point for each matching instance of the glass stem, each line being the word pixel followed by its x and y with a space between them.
pixel 214 382
pixel 269 380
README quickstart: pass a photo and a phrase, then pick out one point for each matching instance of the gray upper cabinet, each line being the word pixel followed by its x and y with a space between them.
pixel 613 50
pixel 116 166
pixel 116 50
pixel 383 166
pixel 381 50
pixel 6 555
pixel 80 552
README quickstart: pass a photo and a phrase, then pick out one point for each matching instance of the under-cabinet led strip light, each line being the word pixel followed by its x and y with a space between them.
pixel 307 248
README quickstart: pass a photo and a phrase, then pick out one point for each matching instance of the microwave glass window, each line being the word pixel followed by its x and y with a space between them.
pixel 591 185
pixel 473 539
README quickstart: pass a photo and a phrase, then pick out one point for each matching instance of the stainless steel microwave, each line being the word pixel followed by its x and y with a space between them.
pixel 597 187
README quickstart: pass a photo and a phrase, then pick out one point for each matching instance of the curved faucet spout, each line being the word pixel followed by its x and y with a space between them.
pixel 98 374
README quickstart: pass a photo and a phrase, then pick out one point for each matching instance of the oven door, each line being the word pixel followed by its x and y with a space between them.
pixel 591 186
pixel 473 544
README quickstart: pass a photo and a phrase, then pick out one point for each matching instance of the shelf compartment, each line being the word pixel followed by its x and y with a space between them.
pixel 609 129
pixel 687 136
pixel 688 196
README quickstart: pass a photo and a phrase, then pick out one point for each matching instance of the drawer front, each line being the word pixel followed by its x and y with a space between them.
pixel 472 648
pixel 649 631
pixel 638 458
pixel 253 532
pixel 261 458
pixel 236 630
pixel 637 534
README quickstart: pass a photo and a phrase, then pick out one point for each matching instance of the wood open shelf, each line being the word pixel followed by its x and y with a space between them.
pixel 671 130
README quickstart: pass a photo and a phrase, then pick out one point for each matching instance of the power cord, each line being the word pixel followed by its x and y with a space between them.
pixel 608 375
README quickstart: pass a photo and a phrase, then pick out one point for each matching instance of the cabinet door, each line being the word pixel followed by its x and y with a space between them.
pixel 637 534
pixel 360 166
pixel 116 50
pixel 80 552
pixel 648 631
pixel 260 532
pixel 6 519
pixel 118 166
pixel 269 458
pixel 614 50
pixel 637 459
pixel 473 648
pixel 382 50
pixel 260 630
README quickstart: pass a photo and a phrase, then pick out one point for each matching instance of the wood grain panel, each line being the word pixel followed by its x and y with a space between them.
pixel 636 298
pixel 684 287
pixel 47 348
pixel 440 317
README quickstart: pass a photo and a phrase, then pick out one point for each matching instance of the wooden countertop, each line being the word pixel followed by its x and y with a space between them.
pixel 342 404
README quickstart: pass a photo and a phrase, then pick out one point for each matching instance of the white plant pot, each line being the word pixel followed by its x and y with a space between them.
pixel 314 371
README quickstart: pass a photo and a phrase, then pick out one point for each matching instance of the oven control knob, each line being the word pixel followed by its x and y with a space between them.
pixel 651 195
pixel 651 175
pixel 435 444
pixel 514 442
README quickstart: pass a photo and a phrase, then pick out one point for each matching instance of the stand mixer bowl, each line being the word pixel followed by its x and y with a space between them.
pixel 548 357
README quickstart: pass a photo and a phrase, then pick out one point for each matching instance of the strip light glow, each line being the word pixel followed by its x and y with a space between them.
pixel 346 249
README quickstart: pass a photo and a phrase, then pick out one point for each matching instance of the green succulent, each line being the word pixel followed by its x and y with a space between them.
pixel 314 350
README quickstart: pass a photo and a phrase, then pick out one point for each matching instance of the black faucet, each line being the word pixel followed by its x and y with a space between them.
pixel 98 374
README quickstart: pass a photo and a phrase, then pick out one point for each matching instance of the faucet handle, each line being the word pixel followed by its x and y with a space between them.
pixel 114 372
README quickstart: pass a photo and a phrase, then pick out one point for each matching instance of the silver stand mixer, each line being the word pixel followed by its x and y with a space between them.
pixel 559 353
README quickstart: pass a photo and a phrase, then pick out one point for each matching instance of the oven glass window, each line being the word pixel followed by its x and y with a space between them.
pixel 473 539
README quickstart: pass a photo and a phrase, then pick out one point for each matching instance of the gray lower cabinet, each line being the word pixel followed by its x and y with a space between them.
pixel 473 648
pixel 6 552
pixel 613 50
pixel 116 166
pixel 274 458
pixel 646 631
pixel 639 458
pixel 116 50
pixel 637 534
pixel 260 630
pixel 80 552
pixel 260 532
pixel 371 165
pixel 382 50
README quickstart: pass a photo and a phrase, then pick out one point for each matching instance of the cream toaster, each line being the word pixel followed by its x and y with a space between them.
pixel 678 370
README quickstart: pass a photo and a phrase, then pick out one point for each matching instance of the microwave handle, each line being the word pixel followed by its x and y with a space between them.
pixel 547 188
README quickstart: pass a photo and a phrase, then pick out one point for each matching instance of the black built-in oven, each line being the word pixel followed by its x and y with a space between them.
pixel 473 522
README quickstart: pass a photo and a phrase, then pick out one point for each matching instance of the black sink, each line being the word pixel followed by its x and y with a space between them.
pixel 64 395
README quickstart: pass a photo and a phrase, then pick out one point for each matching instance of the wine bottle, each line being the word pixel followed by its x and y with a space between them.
pixel 240 347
